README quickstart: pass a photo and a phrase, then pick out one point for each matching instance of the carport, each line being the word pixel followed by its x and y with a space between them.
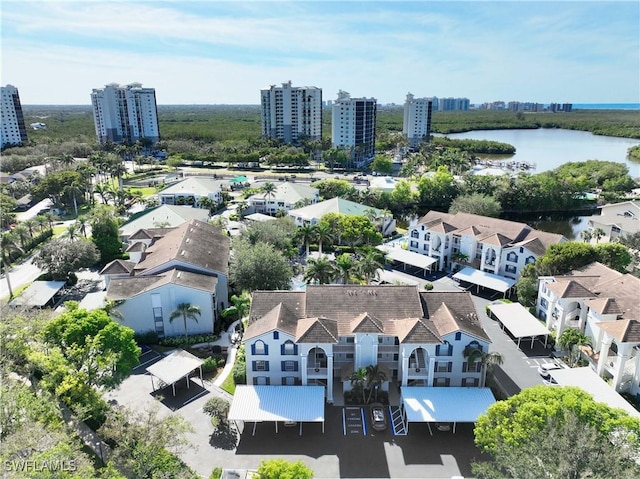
pixel 179 364
pixel 39 294
pixel 520 322
pixel 444 404
pixel 484 279
pixel 278 403
pixel 410 258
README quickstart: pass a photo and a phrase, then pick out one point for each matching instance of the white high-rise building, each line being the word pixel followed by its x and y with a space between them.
pixel 417 119
pixel 353 126
pixel 14 132
pixel 125 114
pixel 289 113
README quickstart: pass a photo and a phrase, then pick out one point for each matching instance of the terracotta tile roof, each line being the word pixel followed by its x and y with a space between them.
pixel 623 330
pixel 569 289
pixel 365 323
pixel 317 330
pixel 118 266
pixel 195 243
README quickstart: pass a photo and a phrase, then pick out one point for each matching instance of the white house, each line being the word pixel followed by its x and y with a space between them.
pixel 615 220
pixel 603 304
pixel 321 335
pixel 311 214
pixel 490 245
pixel 285 197
pixel 191 190
pixel 187 264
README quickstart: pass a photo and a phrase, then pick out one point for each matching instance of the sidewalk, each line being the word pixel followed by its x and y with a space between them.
pixel 232 349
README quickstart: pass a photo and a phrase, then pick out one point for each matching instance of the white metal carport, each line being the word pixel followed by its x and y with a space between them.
pixel 407 257
pixel 38 294
pixel 278 403
pixel 484 279
pixel 179 364
pixel 520 322
pixel 587 380
pixel 445 404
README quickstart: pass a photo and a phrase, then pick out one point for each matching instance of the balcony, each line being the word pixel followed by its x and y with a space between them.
pixel 317 373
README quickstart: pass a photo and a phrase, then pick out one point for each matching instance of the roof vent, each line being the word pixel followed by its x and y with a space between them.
pixel 182 253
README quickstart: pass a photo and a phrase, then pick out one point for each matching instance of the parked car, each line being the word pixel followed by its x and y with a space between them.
pixel 378 417
pixel 443 426
pixel 544 369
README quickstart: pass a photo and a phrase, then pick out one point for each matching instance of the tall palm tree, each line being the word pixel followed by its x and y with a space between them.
pixel 185 311
pixel 375 378
pixel 82 223
pixel 346 266
pixel 319 270
pixel 21 232
pixel 74 190
pixel 103 190
pixel 488 361
pixel 570 340
pixel 369 265
pixel 358 380
pixel 306 235
pixel 241 208
pixel 598 233
pixel 30 224
pixel 72 232
pixel 41 221
pixel 269 190
pixel 323 233
pixel 9 244
pixel 586 236
pixel 240 308
pixel 206 203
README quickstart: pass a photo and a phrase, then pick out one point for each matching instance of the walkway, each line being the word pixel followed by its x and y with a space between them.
pixel 232 349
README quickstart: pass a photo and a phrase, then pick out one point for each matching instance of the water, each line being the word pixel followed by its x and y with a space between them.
pixel 550 148
pixel 569 226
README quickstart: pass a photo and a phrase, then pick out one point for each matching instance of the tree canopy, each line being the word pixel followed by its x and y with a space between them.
pixel 61 258
pixel 258 266
pixel 477 204
pixel 283 469
pixel 105 235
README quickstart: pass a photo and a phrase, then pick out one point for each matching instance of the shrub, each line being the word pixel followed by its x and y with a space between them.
pixel 181 341
pixel 148 337
pixel 428 286
pixel 210 365
pixel 216 473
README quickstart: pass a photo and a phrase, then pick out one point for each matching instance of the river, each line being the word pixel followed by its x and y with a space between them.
pixel 550 148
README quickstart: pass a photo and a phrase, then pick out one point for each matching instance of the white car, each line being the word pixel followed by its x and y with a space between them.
pixel 545 369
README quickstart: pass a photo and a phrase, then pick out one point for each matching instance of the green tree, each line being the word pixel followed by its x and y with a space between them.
pixel 345 267
pixel 269 190
pixel 358 381
pixel 105 235
pixel 516 420
pixel 185 311
pixel 382 164
pixel 259 267
pixel 61 258
pixel 319 270
pixel 147 444
pixel 94 344
pixel 570 340
pixel 283 469
pixel 218 409
pixel 323 234
pixel 614 255
pixel 438 191
pixel 476 204
pixel 306 234
pixel 375 379
pixel 369 265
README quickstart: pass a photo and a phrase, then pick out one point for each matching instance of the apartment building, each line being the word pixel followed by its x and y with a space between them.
pixel 290 113
pixel 490 245
pixel 451 104
pixel 353 127
pixel 14 132
pixel 323 334
pixel 417 119
pixel 125 113
pixel 603 304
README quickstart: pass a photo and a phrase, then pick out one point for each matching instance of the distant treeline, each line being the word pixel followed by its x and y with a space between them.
pixel 211 123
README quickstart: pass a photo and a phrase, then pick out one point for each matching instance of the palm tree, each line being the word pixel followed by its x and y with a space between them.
pixel 206 203
pixel 241 208
pixel 82 222
pixel 66 160
pixel 72 232
pixel 50 217
pixel 41 221
pixel 21 232
pixel 598 233
pixel 30 224
pixel 185 311
pixel 488 361
pixel 323 233
pixel 9 244
pixel 570 340
pixel 358 380
pixel 103 190
pixel 319 270
pixel 74 190
pixel 306 234
pixel 110 308
pixel 345 266
pixel 269 190
pixel 240 308
pixel 369 265
pixel 375 378
pixel 586 236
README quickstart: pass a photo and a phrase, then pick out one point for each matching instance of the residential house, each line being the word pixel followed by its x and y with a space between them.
pixel 192 190
pixel 615 220
pixel 167 216
pixel 311 214
pixel 169 266
pixel 490 245
pixel 285 197
pixel 603 304
pixel 321 335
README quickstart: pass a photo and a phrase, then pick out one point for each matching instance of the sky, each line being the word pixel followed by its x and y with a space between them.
pixel 224 52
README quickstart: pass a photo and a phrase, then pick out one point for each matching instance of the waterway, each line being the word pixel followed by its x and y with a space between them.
pixel 550 148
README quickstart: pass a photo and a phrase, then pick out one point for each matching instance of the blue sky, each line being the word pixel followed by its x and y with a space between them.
pixel 224 52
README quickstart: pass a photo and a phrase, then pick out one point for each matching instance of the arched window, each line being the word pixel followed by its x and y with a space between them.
pixel 289 348
pixel 259 348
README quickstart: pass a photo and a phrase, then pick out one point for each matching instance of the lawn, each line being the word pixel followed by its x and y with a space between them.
pixel 228 385
pixel 144 191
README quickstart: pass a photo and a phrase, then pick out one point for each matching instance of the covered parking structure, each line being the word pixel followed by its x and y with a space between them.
pixel 298 404
pixel 179 364
pixel 520 322
pixel 408 258
pixel 484 279
pixel 444 404
pixel 39 294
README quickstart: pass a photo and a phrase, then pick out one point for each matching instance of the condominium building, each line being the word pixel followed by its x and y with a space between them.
pixel 290 113
pixel 353 126
pixel 14 131
pixel 417 119
pixel 125 113
pixel 451 104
